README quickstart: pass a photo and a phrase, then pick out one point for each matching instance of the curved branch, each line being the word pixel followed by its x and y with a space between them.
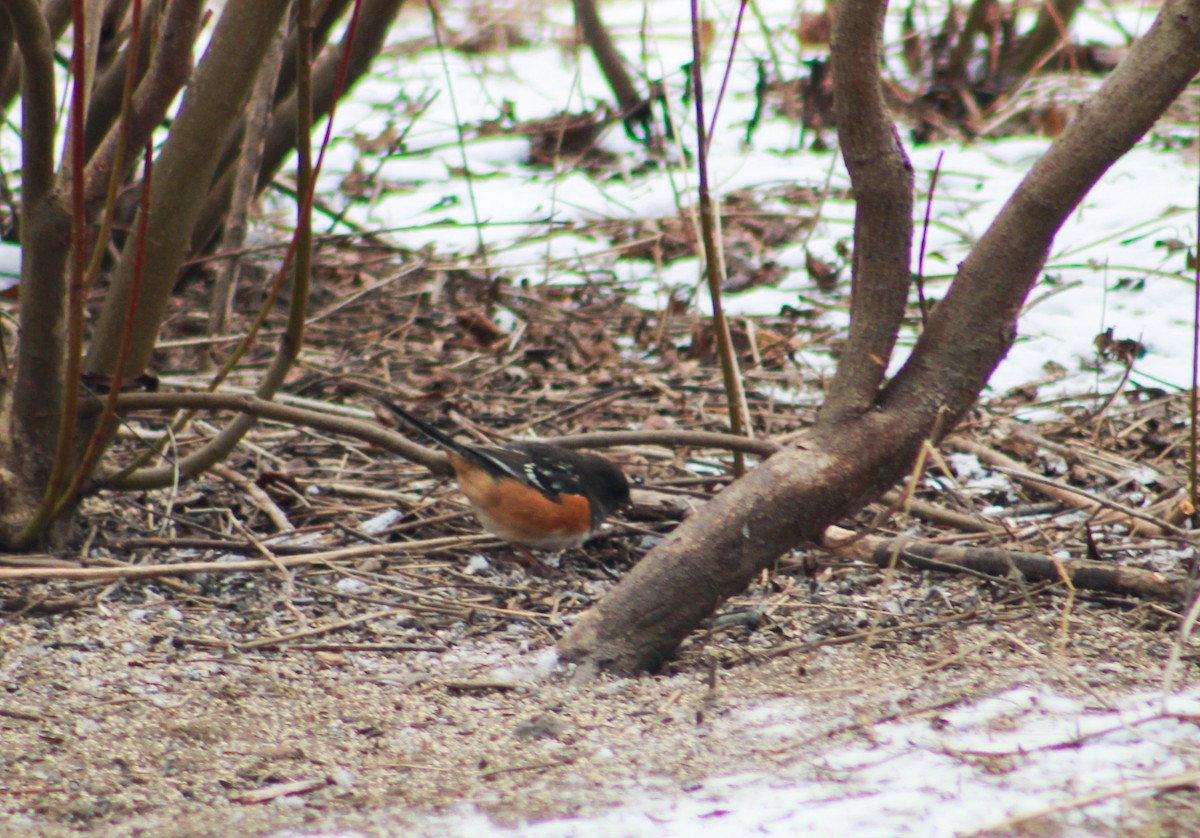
pixel 390 440
pixel 57 16
pixel 219 447
pixel 883 226
pixel 37 97
pixel 252 406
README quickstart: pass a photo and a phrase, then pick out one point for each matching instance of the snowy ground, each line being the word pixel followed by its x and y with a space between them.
pixel 1002 763
pixel 1110 267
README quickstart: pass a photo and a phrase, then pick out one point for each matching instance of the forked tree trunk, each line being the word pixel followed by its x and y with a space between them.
pixel 861 446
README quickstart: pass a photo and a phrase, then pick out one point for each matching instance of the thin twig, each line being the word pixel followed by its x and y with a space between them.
pixel 96 574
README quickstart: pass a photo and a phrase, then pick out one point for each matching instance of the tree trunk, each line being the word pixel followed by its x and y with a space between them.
pixel 852 455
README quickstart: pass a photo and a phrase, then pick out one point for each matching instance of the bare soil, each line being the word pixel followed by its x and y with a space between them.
pixel 114 723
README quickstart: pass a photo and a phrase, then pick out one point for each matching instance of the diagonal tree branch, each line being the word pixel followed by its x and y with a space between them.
pixel 170 67
pixel 376 18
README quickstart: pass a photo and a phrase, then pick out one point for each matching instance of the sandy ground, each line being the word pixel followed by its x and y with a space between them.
pixel 114 722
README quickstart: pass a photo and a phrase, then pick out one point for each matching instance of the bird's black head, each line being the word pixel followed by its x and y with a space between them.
pixel 609 487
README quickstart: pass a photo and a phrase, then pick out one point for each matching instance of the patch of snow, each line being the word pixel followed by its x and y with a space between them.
pixel 380 522
pixel 964 770
pixel 477 564
pixel 1104 271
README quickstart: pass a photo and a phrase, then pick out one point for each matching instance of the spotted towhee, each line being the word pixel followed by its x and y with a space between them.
pixel 532 494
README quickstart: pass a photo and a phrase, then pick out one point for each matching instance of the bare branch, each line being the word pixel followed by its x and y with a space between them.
pixel 57 16
pixel 1084 574
pixel 883 184
pixel 169 71
pixel 633 107
pixel 183 174
pixel 376 18
pixel 45 240
pixel 391 441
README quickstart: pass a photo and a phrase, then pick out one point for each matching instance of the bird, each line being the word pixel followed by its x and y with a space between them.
pixel 534 495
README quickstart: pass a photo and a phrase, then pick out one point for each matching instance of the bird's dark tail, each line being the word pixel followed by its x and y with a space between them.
pixel 427 429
